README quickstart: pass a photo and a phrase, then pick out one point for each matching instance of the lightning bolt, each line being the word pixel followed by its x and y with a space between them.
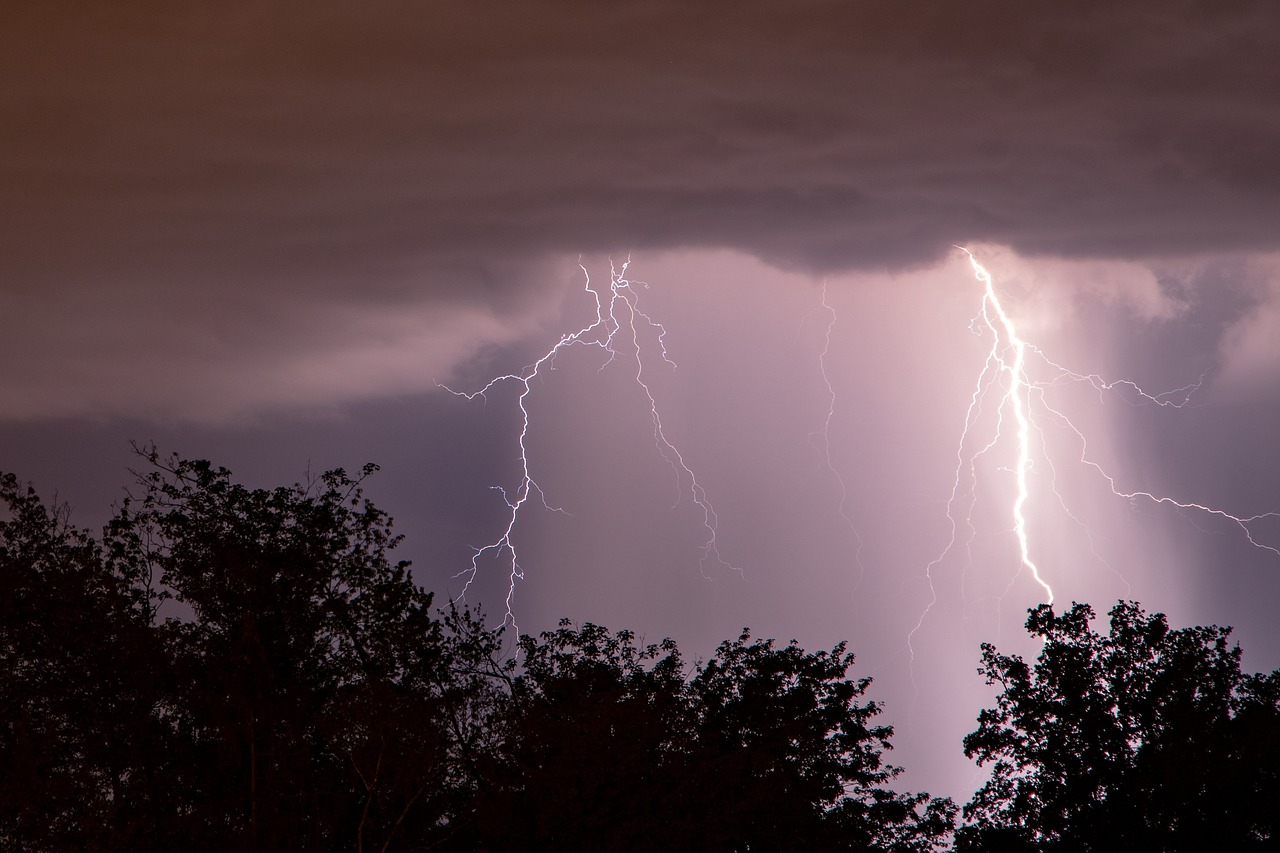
pixel 1006 368
pixel 1016 397
pixel 618 322
pixel 821 439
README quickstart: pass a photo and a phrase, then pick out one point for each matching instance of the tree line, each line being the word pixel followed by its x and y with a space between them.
pixel 226 668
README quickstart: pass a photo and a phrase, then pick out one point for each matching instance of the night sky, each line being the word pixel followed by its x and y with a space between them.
pixel 265 234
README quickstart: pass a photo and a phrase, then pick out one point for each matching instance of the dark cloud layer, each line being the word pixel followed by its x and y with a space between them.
pixel 195 172
pixel 324 143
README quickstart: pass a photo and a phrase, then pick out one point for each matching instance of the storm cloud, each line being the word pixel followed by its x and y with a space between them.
pixel 265 233
pixel 197 172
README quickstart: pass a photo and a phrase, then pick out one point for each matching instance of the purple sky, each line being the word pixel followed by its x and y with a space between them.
pixel 264 236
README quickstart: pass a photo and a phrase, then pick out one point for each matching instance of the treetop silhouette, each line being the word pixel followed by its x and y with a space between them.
pixel 229 668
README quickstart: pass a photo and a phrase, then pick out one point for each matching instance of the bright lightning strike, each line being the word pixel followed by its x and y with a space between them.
pixel 1019 399
pixel 618 322
pixel 1015 399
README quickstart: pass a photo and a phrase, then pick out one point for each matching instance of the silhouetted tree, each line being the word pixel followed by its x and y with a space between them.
pixel 78 669
pixel 611 746
pixel 246 669
pixel 797 756
pixel 300 694
pixel 1143 739
pixel 323 704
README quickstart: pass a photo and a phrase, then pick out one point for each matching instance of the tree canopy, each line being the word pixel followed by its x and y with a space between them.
pixel 302 694
pixel 229 668
pixel 1145 738
pixel 616 746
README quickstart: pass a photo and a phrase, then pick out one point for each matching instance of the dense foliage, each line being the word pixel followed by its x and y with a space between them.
pixel 301 695
pixel 613 746
pixel 237 669
pixel 1142 739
